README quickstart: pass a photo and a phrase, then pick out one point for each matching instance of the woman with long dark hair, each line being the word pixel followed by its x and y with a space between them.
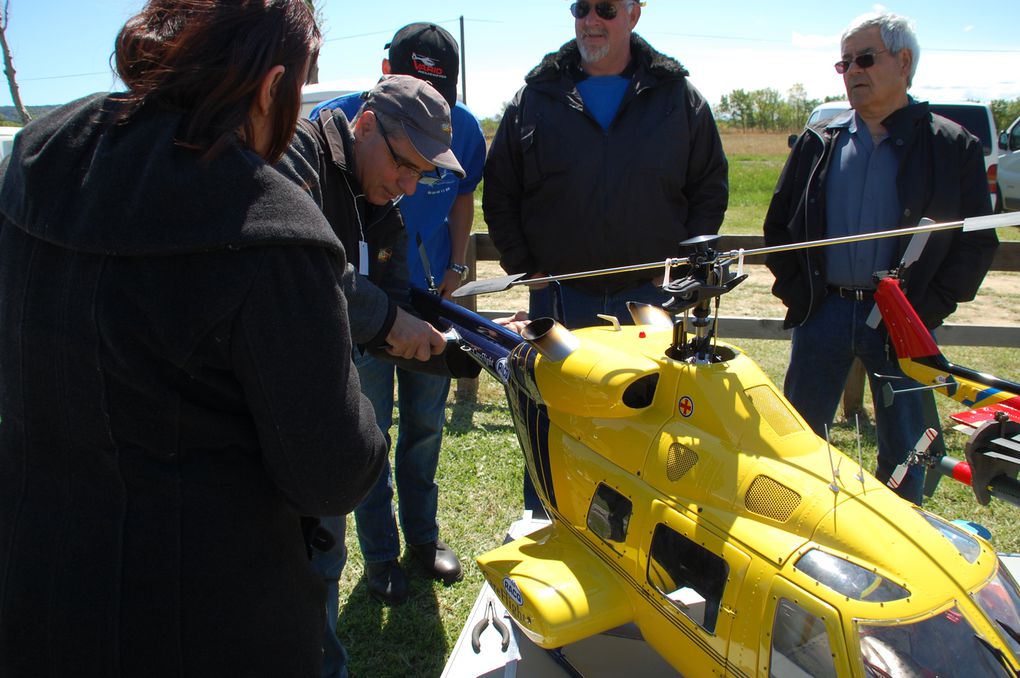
pixel 176 386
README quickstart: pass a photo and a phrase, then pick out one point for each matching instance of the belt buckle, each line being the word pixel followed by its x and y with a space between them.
pixel 858 294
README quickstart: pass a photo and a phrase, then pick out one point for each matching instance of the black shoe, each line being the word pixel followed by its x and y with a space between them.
pixel 386 582
pixel 439 561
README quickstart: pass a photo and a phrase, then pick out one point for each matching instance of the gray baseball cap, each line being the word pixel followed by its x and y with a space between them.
pixel 422 112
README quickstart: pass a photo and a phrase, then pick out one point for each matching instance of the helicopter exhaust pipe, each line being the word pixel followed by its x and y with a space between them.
pixel 554 341
pixel 649 314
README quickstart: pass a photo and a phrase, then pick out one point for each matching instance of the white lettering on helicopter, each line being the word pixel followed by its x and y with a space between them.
pixel 503 370
pixel 481 356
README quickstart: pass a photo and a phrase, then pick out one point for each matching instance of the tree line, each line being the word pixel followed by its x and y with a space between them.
pixel 766 110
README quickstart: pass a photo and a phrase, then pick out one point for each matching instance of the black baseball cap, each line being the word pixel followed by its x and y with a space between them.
pixel 429 52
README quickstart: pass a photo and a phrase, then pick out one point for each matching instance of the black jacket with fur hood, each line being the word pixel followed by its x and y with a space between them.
pixel 563 195
pixel 176 389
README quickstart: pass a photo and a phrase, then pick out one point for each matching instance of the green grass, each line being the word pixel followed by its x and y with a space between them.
pixel 480 476
pixel 752 180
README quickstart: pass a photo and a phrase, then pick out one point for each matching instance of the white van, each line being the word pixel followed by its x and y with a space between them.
pixel 977 118
pixel 313 95
pixel 1009 167
pixel 7 135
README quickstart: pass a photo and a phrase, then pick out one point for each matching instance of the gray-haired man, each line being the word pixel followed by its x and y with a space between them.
pixel 885 164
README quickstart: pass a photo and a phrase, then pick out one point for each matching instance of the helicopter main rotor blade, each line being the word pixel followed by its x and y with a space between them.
pixel 488 286
pixel 969 224
pixel 505 282
pixel 491 285
pixel 991 221
pixel 910 255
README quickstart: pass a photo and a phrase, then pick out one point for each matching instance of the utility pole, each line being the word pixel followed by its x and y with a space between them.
pixel 463 64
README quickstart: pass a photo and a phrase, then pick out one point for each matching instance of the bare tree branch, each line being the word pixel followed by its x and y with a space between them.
pixel 9 66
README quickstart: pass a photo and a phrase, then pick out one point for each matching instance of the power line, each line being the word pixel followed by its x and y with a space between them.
pixel 488 21
pixel 60 77
pixel 720 37
pixel 739 38
pixel 390 32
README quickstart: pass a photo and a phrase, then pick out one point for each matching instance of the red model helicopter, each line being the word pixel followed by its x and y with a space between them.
pixel 993 420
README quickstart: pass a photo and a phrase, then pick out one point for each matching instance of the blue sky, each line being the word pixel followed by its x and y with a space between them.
pixel 62 47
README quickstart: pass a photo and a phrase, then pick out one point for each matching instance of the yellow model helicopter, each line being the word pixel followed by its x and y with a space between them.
pixel 688 497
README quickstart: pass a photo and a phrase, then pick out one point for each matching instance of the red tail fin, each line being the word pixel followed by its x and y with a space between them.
pixel 910 337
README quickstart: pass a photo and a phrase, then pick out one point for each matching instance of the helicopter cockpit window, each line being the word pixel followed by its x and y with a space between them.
pixel 688 574
pixel 966 544
pixel 800 644
pixel 943 645
pixel 853 581
pixel 609 514
pixel 1000 600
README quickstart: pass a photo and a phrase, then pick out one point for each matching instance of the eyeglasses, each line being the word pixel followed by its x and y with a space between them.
pixel 866 60
pixel 405 167
pixel 605 10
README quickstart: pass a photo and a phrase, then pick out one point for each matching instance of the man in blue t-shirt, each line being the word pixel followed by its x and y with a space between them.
pixel 440 216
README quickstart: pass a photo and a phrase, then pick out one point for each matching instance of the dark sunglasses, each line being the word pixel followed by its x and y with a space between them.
pixel 866 60
pixel 405 167
pixel 605 10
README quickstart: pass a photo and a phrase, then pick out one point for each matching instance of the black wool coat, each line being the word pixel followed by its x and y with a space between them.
pixel 176 389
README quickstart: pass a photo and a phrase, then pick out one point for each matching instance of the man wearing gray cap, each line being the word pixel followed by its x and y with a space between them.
pixel 438 221
pixel 357 172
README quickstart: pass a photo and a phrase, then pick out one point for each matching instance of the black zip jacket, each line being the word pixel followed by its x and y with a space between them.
pixel 941 176
pixel 321 159
pixel 176 390
pixel 563 195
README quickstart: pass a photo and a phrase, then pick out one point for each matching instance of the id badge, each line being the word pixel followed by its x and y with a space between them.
pixel 362 257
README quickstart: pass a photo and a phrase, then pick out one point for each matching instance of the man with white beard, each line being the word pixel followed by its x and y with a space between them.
pixel 607 157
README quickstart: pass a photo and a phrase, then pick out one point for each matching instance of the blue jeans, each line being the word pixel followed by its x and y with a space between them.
pixel 823 351
pixel 574 308
pixel 330 564
pixel 422 401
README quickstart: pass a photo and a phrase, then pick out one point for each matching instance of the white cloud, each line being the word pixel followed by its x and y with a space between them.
pixel 967 76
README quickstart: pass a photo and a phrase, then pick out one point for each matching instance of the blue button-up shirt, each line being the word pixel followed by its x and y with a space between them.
pixel 860 197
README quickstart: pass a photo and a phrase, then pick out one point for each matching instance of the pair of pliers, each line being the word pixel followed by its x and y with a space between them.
pixel 490 616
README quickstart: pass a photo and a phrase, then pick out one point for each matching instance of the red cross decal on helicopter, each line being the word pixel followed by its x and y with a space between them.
pixel 686 406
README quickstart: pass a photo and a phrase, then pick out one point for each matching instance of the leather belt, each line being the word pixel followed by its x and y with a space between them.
pixel 853 293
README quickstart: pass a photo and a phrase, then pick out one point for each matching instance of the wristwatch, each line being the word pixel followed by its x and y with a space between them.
pixel 462 269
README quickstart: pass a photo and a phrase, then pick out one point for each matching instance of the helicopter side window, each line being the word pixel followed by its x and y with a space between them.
pixel 800 644
pixel 609 514
pixel 688 574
